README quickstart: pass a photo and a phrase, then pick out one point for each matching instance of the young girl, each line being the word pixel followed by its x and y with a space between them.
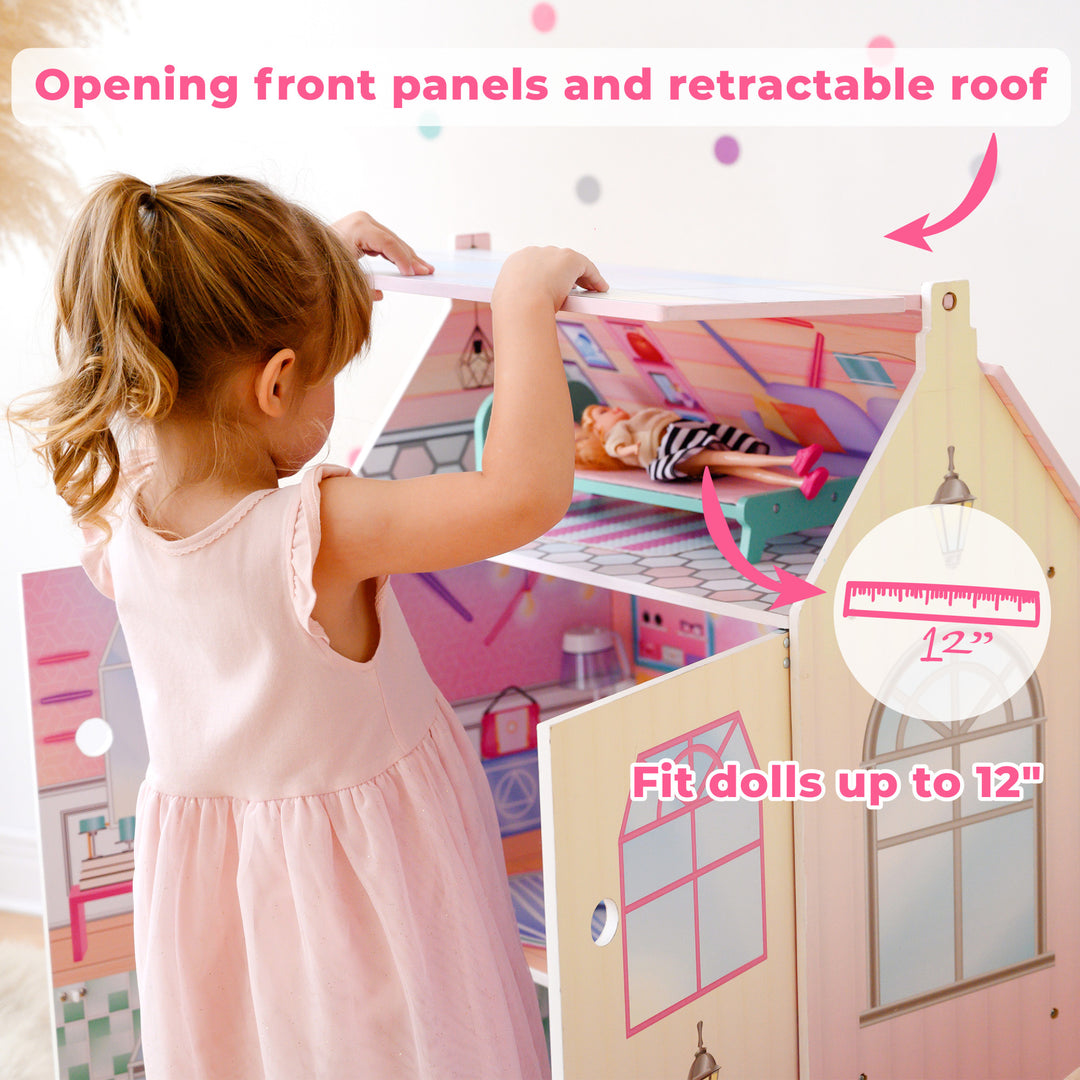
pixel 671 448
pixel 319 887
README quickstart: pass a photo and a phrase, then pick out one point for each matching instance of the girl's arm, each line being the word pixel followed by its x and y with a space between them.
pixel 373 527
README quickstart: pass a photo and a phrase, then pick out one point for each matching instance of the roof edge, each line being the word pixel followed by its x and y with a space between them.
pixel 1039 441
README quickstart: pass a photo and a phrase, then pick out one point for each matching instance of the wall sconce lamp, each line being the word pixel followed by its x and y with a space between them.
pixel 952 513
pixel 704 1065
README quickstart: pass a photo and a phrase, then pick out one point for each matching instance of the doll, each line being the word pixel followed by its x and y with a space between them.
pixel 671 448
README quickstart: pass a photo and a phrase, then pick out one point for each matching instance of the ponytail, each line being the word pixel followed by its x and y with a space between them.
pixel 161 295
pixel 106 342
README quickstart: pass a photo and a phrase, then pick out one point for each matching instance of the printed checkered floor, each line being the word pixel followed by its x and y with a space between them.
pixel 668 549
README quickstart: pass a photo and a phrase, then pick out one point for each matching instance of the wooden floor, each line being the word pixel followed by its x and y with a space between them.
pixel 28 928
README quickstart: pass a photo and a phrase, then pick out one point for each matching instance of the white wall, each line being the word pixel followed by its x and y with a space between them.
pixel 809 204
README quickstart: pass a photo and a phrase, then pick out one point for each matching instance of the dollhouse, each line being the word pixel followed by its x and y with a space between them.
pixel 766 936
pixel 813 938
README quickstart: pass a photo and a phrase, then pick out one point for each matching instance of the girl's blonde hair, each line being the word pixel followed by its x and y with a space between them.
pixel 163 295
pixel 589 452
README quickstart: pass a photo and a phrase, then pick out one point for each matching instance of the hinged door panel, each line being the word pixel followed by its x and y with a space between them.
pixel 699 892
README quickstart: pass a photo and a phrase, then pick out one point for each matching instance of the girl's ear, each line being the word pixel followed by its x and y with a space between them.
pixel 274 383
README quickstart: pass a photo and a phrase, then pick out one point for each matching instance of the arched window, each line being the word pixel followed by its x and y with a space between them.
pixel 693 881
pixel 956 889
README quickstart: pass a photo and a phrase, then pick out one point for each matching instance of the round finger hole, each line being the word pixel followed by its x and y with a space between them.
pixel 605 921
pixel 94 736
pixel 948 301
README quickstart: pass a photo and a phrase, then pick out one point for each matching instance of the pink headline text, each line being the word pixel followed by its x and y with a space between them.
pixel 223 91
pixel 786 781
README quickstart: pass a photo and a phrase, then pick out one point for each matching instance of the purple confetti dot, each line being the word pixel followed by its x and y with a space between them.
pixel 543 18
pixel 726 149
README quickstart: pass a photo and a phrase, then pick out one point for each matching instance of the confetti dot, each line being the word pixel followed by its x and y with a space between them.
pixel 976 164
pixel 882 47
pixel 587 189
pixel 543 18
pixel 430 127
pixel 726 149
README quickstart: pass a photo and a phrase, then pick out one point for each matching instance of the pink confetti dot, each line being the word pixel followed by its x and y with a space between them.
pixel 882 47
pixel 543 18
pixel 726 149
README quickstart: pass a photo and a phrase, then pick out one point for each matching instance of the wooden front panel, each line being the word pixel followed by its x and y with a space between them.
pixel 745 966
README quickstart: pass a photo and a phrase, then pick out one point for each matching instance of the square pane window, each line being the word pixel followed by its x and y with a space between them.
pixel 906 813
pixel 997 859
pixel 723 827
pixel 1013 746
pixel 661 964
pixel 668 933
pixel 731 923
pixel 915 917
pixel 657 858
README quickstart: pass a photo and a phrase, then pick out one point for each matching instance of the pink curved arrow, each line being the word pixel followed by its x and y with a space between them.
pixel 789 587
pixel 915 232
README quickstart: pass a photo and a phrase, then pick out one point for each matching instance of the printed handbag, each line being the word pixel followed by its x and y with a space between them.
pixel 511 728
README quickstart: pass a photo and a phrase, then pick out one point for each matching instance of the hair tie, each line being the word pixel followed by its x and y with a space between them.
pixel 153 192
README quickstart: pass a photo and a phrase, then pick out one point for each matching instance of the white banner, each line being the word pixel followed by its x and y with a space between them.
pixel 558 87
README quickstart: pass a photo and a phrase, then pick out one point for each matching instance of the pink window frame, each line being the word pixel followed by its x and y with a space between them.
pixel 670 811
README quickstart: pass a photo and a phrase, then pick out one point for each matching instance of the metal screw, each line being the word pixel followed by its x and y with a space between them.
pixel 776 508
pixel 1053 1014
pixel 787 662
pixel 787 643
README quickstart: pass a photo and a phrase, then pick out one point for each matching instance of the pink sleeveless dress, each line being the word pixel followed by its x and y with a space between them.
pixel 319 887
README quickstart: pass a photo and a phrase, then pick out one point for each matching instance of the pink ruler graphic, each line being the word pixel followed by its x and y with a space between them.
pixel 930 602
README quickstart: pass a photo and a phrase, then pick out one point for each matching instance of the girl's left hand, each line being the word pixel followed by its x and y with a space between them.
pixel 364 234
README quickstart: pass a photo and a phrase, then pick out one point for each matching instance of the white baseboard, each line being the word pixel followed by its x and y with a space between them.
pixel 20 872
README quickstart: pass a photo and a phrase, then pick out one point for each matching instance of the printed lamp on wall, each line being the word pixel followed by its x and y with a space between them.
pixel 951 507
pixel 477 361
pixel 704 1066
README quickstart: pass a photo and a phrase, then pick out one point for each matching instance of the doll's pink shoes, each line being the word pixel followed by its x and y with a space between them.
pixel 805 460
pixel 815 481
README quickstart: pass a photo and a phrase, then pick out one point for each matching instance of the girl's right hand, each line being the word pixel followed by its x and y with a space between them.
pixel 548 271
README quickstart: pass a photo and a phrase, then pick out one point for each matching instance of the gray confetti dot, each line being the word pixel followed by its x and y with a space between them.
pixel 588 189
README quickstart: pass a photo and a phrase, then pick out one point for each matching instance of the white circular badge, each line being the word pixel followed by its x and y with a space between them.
pixel 942 613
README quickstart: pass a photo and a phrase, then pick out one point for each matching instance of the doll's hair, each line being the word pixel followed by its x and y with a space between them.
pixel 163 295
pixel 589 452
